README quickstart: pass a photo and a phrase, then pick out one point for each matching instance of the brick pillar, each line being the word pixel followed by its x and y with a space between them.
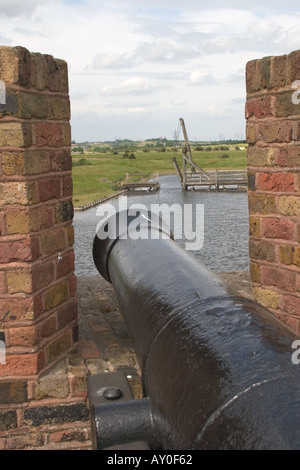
pixel 273 134
pixel 38 309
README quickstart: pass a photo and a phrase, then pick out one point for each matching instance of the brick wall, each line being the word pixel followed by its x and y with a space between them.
pixel 273 135
pixel 38 307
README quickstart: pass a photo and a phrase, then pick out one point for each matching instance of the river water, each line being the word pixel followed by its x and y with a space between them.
pixel 225 227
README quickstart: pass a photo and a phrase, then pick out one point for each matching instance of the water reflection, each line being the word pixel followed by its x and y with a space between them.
pixel 226 231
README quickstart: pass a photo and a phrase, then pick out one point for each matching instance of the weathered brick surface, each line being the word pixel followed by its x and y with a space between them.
pixel 273 133
pixel 36 211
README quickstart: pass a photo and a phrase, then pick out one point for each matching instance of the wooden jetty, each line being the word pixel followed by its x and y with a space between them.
pixel 141 182
pixel 218 180
pixel 192 176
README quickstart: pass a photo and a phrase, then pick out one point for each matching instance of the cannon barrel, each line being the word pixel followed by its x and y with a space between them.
pixel 216 368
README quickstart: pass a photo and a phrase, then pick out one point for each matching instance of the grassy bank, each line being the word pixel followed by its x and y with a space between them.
pixel 95 175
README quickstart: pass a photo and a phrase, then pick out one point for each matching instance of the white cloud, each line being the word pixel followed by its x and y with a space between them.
pixel 264 30
pixel 112 61
pixel 220 44
pixel 131 86
pixel 12 8
pixel 131 104
pixel 200 78
pixel 156 51
pixel 163 56
pixel 164 50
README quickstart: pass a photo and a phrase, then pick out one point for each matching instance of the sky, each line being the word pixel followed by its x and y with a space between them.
pixel 137 66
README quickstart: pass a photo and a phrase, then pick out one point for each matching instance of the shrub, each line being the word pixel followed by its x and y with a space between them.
pixel 225 155
pixel 81 162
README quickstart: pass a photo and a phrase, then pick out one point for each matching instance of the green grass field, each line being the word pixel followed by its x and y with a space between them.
pixel 95 179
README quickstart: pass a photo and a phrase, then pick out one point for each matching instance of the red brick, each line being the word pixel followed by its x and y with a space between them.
pixel 67 313
pixel 259 107
pixel 22 365
pixel 72 285
pixel 292 322
pixel 296 129
pixel 28 336
pixel 289 157
pixel 252 82
pixel 291 305
pixel 61 160
pixel 49 326
pixel 276 277
pixel 298 233
pixel 275 131
pixel 285 106
pixel 70 235
pixel 42 275
pixel 19 309
pixel 67 189
pixel 264 66
pixel 41 218
pixel 52 73
pixel 293 67
pixel 298 282
pixel 283 182
pixel 49 189
pixel 26 249
pixel 278 228
pixel 53 241
pixel 278 71
pixel 68 435
pixel 2 224
pixel 49 135
pixel 24 440
pixel 65 265
pixel 297 182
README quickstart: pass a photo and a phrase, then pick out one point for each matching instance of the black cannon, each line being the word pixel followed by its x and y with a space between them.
pixel 216 369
